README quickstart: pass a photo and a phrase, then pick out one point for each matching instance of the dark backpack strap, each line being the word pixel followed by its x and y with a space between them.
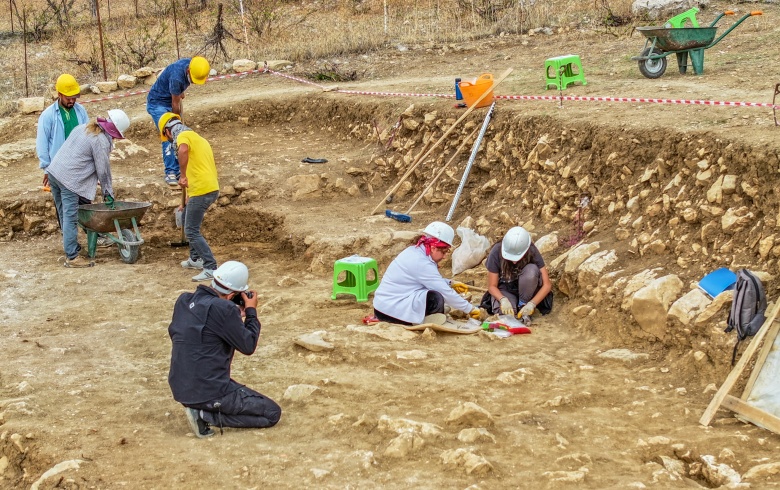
pixel 734 354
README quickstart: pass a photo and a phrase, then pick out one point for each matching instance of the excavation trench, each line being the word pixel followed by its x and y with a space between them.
pixel 668 202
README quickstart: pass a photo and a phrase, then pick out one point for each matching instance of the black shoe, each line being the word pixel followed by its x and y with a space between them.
pixel 197 424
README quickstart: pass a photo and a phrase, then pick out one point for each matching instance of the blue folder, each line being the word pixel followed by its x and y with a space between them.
pixel 718 281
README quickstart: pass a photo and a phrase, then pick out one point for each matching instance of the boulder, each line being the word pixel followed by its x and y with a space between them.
pixel 593 268
pixel 579 255
pixel 106 87
pixel 303 186
pixel 279 64
pixel 547 243
pixel 651 304
pixel 30 105
pixel 143 72
pixel 243 66
pixel 126 81
pixel 471 414
pixel 686 308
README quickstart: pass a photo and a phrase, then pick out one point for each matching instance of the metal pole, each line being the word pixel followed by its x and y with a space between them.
pixel 243 21
pixel 471 161
pixel 176 29
pixel 24 36
pixel 100 33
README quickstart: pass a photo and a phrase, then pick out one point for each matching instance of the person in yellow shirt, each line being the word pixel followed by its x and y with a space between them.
pixel 198 179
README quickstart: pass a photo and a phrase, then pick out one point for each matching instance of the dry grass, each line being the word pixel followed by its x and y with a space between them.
pixel 272 29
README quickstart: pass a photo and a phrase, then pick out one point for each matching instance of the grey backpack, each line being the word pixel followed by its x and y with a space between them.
pixel 747 309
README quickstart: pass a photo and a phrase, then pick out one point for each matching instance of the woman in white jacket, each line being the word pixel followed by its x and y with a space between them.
pixel 412 287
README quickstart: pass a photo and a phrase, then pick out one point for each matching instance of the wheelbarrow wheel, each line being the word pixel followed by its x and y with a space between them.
pixel 652 68
pixel 128 253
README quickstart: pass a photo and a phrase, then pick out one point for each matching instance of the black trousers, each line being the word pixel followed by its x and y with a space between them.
pixel 434 303
pixel 241 408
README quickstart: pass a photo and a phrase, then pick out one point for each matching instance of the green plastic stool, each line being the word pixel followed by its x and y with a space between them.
pixel 679 20
pixel 356 281
pixel 563 72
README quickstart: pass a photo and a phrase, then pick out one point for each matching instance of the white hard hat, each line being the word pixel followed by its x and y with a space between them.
pixel 232 276
pixel 442 231
pixel 120 120
pixel 515 243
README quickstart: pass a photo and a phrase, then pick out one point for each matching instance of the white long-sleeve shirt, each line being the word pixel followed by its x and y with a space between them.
pixel 404 286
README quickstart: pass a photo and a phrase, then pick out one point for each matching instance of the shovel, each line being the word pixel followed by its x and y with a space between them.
pixel 180 219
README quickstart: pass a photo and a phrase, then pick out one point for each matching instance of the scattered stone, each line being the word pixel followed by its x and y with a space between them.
pixel 758 472
pixel 651 304
pixel 296 393
pixel 658 440
pixel 30 105
pixel 403 445
pixel 470 413
pixel 686 308
pixel 314 341
pixel 304 186
pixel 106 87
pixel 624 355
pixel 714 308
pixel 472 435
pixel 699 356
pixel 513 377
pixel 582 310
pixel 72 464
pixel 400 426
pixel 473 464
pixel 287 281
pixel 567 476
pixel 718 475
pixel 558 401
pixel 243 66
pixel 143 72
pixel 126 81
pixel 387 331
pixel 319 473
pixel 547 243
pixel 364 458
pixel 411 354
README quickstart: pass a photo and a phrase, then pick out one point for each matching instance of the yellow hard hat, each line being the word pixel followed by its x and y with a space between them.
pixel 67 85
pixel 199 70
pixel 164 119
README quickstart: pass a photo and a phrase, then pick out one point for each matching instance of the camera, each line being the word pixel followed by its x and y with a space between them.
pixel 239 300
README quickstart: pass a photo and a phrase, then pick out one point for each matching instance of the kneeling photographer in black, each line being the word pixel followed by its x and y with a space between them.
pixel 206 330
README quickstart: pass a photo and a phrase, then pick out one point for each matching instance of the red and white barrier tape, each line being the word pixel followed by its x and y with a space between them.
pixel 553 98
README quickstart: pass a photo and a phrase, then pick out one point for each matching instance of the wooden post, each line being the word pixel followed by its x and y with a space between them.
pixel 176 29
pixel 24 37
pixel 100 34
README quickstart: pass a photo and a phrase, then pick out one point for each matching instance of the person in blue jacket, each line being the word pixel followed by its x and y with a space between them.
pixel 167 95
pixel 57 121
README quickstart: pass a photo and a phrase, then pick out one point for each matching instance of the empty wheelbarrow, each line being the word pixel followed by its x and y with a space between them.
pixel 660 42
pixel 99 218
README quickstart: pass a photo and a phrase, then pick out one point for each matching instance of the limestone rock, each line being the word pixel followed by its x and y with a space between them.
pixel 304 186
pixel 403 445
pixel 687 307
pixel 547 243
pixel 624 355
pixel 384 330
pixel 734 220
pixel 593 268
pixel 411 354
pixel 105 87
pixel 126 81
pixel 729 184
pixel 473 464
pixel 278 64
pixel 243 66
pixel 719 474
pixel 579 255
pixel 651 304
pixel 470 414
pixel 582 310
pixel 472 435
pixel 567 476
pixel 296 393
pixel 756 473
pixel 143 72
pixel 314 341
pixel 714 308
pixel 400 426
pixel 30 105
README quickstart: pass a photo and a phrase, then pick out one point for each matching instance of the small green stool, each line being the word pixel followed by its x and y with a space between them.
pixel 356 281
pixel 563 72
pixel 679 20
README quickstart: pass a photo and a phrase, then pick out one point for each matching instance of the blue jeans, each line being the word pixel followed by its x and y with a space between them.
pixel 193 218
pixel 169 156
pixel 67 204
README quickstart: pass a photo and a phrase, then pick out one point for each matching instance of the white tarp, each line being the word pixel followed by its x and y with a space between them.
pixel 766 391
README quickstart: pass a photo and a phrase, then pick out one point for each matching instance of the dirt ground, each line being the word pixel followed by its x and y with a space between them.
pixel 86 352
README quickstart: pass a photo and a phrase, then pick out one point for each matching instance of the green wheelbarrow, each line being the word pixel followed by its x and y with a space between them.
pixel 100 219
pixel 660 42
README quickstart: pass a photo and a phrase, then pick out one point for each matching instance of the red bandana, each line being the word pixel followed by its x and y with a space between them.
pixel 429 241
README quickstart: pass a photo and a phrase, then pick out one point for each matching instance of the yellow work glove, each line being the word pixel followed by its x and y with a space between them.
pixel 506 307
pixel 526 311
pixel 476 314
pixel 460 288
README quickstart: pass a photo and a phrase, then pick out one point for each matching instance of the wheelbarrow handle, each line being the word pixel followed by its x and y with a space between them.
pixel 728 12
pixel 756 12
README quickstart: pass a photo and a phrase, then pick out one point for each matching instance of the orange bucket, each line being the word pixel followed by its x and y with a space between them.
pixel 473 90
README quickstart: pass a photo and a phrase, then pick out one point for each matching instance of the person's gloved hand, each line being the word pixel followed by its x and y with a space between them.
pixel 460 288
pixel 475 314
pixel 109 201
pixel 526 311
pixel 506 306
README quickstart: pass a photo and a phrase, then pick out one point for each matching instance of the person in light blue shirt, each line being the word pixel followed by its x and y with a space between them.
pixel 167 95
pixel 57 121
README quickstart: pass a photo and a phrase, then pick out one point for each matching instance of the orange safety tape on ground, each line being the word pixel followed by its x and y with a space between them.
pixel 552 98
